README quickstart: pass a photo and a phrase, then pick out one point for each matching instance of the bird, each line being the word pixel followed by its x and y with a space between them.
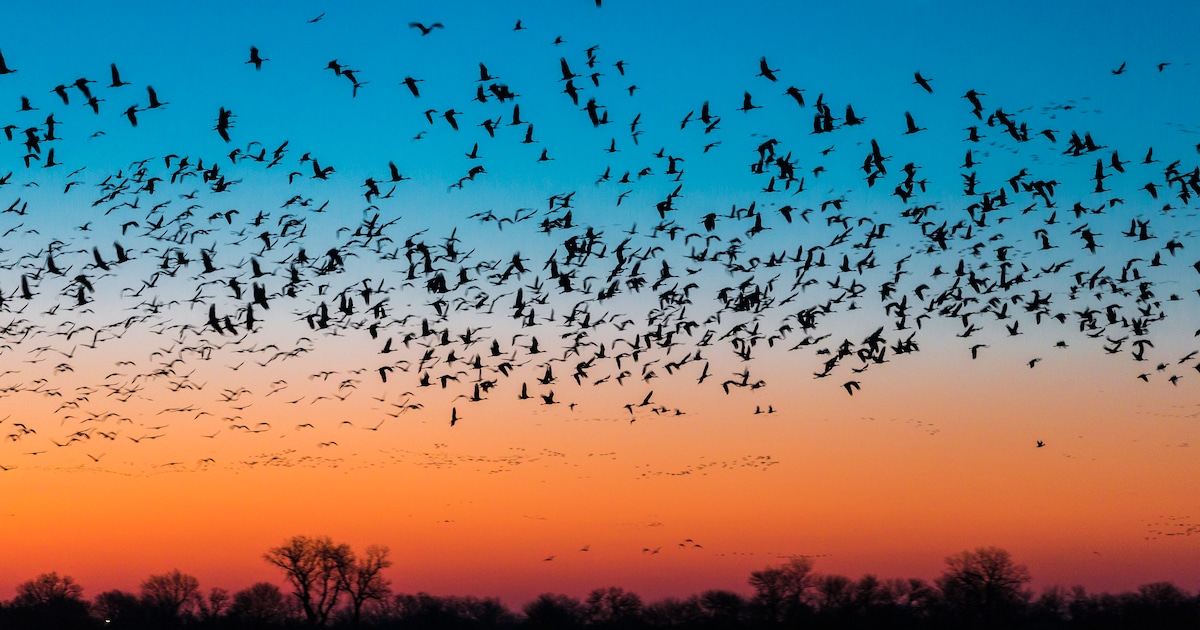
pixel 116 77
pixel 1040 444
pixel 425 30
pixel 154 102
pixel 765 71
pixel 411 83
pixel 922 81
pixel 4 69
pixel 746 104
pixel 911 124
pixel 256 59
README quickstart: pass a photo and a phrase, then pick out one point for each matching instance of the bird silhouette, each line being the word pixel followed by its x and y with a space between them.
pixel 765 71
pixel 922 81
pixel 425 30
pixel 116 77
pixel 256 59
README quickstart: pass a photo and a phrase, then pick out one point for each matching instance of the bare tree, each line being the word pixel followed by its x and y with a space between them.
pixel 260 605
pixel 314 568
pixel 215 605
pixel 50 601
pixel 612 607
pixel 171 595
pixel 984 584
pixel 362 580
pixel 553 610
pixel 781 592
pixel 119 609
pixel 48 588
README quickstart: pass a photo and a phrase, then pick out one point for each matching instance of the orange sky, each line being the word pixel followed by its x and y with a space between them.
pixel 918 465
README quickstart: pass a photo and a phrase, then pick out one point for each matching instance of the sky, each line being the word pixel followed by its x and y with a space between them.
pixel 727 342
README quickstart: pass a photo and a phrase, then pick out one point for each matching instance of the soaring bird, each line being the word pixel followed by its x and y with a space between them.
pixel 912 124
pixel 922 81
pixel 765 71
pixel 412 85
pixel 425 30
pixel 256 59
pixel 4 69
pixel 154 102
pixel 116 77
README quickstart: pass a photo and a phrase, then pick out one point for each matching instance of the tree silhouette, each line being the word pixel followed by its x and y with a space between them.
pixel 984 586
pixel 314 568
pixel 612 607
pixel 214 606
pixel 260 605
pixel 48 588
pixel 55 600
pixel 170 597
pixel 423 610
pixel 362 580
pixel 120 609
pixel 553 610
pixel 722 609
pixel 781 592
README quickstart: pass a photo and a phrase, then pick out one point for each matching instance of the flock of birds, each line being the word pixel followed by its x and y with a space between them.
pixel 168 309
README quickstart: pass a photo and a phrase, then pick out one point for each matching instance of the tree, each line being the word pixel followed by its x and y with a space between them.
pixel 52 601
pixel 48 588
pixel 423 610
pixel 362 580
pixel 553 610
pixel 984 585
pixel 781 592
pixel 722 609
pixel 835 597
pixel 672 612
pixel 314 568
pixel 612 607
pixel 120 609
pixel 171 596
pixel 215 605
pixel 260 605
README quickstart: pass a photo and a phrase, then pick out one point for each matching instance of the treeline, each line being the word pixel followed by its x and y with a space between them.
pixel 332 587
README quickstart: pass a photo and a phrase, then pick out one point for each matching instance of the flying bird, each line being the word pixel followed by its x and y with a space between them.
pixel 765 71
pixel 256 59
pixel 425 30
pixel 922 81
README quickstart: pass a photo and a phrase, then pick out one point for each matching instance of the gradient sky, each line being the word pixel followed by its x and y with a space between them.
pixel 197 450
